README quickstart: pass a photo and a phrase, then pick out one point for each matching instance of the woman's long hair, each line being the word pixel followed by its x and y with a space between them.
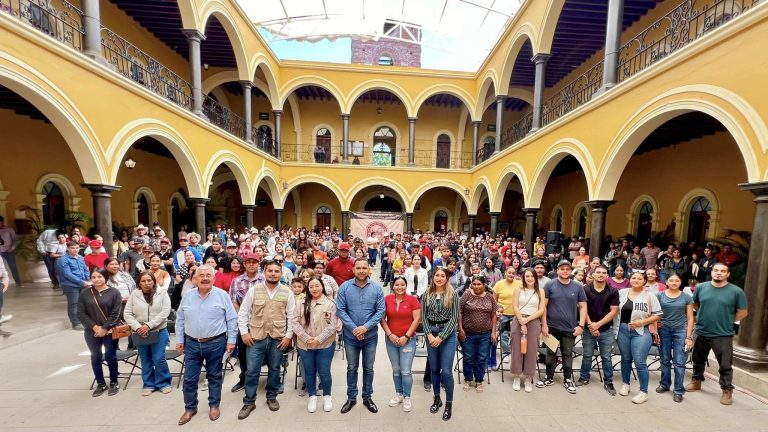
pixel 432 292
pixel 308 297
pixel 154 284
pixel 535 280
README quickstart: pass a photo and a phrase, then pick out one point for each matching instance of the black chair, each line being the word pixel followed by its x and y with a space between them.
pixel 171 355
pixel 129 357
pixel 578 351
pixel 459 370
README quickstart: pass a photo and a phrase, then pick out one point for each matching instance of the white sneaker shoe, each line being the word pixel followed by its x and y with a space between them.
pixel 396 400
pixel 507 359
pixel 640 398
pixel 327 403
pixel 204 387
pixel 624 390
pixel 407 406
pixel 5 318
pixel 516 384
pixel 528 386
pixel 312 404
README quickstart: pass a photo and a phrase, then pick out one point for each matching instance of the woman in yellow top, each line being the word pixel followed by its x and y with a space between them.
pixel 503 292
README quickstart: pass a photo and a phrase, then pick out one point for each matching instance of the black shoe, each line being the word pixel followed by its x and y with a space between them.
pixel 245 411
pixel 582 382
pixel 273 404
pixel 370 405
pixel 662 389
pixel 348 405
pixel 436 404
pixel 610 389
pixel 447 412
pixel 677 397
pixel 427 386
pixel 100 389
pixel 113 389
pixel 238 387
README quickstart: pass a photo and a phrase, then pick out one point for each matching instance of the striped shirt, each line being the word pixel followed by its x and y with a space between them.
pixel 432 309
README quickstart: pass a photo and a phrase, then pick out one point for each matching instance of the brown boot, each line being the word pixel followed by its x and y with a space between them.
pixel 727 397
pixel 694 385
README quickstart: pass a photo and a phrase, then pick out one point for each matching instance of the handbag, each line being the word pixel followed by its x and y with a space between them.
pixel 119 331
pixel 653 328
pixel 151 338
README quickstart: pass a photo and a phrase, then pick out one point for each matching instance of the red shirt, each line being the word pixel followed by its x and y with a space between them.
pixel 224 280
pixel 95 261
pixel 400 318
pixel 341 271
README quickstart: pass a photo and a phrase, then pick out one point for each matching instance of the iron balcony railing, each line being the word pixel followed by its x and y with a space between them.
pixel 264 141
pixel 59 19
pixel 223 117
pixel 575 94
pixel 309 153
pixel 516 132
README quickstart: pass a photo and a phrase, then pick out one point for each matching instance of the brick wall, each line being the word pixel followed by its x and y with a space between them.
pixel 402 53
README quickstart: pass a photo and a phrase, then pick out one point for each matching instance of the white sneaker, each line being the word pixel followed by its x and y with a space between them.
pixel 640 398
pixel 312 404
pixel 396 399
pixel 506 359
pixel 516 384
pixel 407 406
pixel 204 387
pixel 5 318
pixel 624 390
pixel 327 403
pixel 528 386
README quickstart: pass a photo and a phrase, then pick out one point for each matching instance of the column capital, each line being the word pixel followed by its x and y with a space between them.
pixel 541 58
pixel 248 207
pixel 477 123
pixel 409 214
pixel 277 112
pixel 759 189
pixel 198 202
pixel 501 98
pixel 194 35
pixel 345 116
pixel 531 210
pixel 472 216
pixel 599 205
pixel 101 189
pixel 412 119
pixel 247 83
pixel 495 214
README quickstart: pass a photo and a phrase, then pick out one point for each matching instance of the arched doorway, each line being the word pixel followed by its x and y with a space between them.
pixel 441 221
pixel 143 210
pixel 383 203
pixel 558 220
pixel 644 223
pixel 175 217
pixel 322 152
pixel 323 216
pixel 443 151
pixel 54 213
pixel 582 227
pixel 698 220
pixel 384 146
pixel 264 139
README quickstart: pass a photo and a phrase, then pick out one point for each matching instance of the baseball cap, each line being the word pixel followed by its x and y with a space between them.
pixel 138 240
pixel 231 244
pixel 564 262
pixel 344 246
pixel 251 257
pixel 94 244
pixel 494 248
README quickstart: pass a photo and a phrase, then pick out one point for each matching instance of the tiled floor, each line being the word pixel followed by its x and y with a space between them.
pixel 44 387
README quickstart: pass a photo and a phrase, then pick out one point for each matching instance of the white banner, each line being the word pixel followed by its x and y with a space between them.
pixel 376 224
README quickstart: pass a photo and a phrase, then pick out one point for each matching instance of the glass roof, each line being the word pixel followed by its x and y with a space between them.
pixel 454 34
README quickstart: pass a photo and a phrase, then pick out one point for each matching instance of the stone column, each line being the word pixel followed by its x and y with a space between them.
pixel 195 38
pixel 530 229
pixel 102 211
pixel 409 222
pixel 538 91
pixel 344 224
pixel 411 141
pixel 499 121
pixel 475 140
pixel 248 115
pixel 92 31
pixel 750 350
pixel 278 133
pixel 198 204
pixel 612 44
pixel 278 219
pixel 249 215
pixel 345 138
pixel 494 223
pixel 599 208
pixel 472 225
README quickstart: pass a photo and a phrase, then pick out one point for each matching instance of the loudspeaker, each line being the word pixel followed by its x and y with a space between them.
pixel 553 242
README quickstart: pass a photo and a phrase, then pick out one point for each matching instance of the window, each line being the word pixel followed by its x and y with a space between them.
pixel 559 221
pixel 143 210
pixel 583 222
pixel 384 147
pixel 443 151
pixel 644 223
pixel 386 60
pixel 323 217
pixel 264 138
pixel 441 221
pixel 489 145
pixel 322 151
pixel 53 205
pixel 698 220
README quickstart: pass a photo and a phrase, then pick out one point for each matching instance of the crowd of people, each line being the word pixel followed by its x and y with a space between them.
pixel 258 294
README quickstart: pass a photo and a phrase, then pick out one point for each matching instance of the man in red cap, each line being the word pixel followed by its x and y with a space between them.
pixel 341 268
pixel 96 258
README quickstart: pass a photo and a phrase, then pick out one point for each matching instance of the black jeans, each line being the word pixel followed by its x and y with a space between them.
pixel 95 345
pixel 723 348
pixel 242 358
pixel 567 340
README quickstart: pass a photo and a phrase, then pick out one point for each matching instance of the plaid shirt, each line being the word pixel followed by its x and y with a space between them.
pixel 241 285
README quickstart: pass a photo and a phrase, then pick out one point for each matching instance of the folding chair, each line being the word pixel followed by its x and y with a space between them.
pixel 421 351
pixel 299 373
pixel 130 358
pixel 171 355
pixel 459 370
pixel 578 351
pixel 617 365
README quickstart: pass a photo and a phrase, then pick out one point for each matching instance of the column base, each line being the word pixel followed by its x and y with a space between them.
pixel 750 359
pixel 345 162
pixel 98 58
pixel 410 164
pixel 530 132
pixel 603 89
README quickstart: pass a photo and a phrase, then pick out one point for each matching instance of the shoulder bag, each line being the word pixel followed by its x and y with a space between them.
pixel 119 331
pixel 653 328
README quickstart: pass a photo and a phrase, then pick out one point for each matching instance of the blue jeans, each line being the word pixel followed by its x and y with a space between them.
pixel 475 346
pixel 605 344
pixel 73 295
pixel 505 321
pixel 195 355
pixel 353 348
pixel 401 358
pixel 265 349
pixel 154 367
pixel 318 362
pixel 372 253
pixel 672 351
pixel 634 347
pixel 441 365
pixel 95 345
pixel 10 258
pixel 49 265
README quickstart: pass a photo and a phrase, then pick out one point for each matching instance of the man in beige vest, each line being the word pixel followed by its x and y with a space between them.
pixel 265 329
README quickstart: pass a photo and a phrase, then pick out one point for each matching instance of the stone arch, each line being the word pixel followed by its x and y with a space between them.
pixel 398 138
pixel 452 90
pixel 739 118
pixel 490 79
pixel 557 209
pixel 400 192
pixel 271 89
pixel 477 194
pixel 549 25
pixel 461 191
pixel 377 84
pixel 306 80
pixel 633 216
pixel 447 211
pixel 71 199
pixel 318 207
pixel 313 178
pixel 236 166
pixel 270 180
pixel 548 162
pixel 575 220
pixel 80 137
pixel 221 98
pixel 190 19
pixel 513 169
pixel 154 207
pixel 222 14
pixel 220 78
pixel 524 33
pixel 169 137
pixel 454 147
pixel 681 215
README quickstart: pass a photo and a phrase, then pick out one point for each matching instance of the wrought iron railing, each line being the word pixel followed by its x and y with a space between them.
pixel 223 117
pixel 687 22
pixel 140 67
pixel 517 131
pixel 59 19
pixel 308 153
pixel 575 94
pixel 263 141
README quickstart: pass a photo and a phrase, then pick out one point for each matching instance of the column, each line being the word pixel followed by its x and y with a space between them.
pixel 599 208
pixel 538 90
pixel 247 86
pixel 750 350
pixel 499 121
pixel 494 223
pixel 472 225
pixel 249 215
pixel 102 211
pixel 411 140
pixel 278 219
pixel 475 140
pixel 278 132
pixel 530 229
pixel 198 206
pixel 409 222
pixel 195 38
pixel 345 138
pixel 92 31
pixel 344 224
pixel 612 44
